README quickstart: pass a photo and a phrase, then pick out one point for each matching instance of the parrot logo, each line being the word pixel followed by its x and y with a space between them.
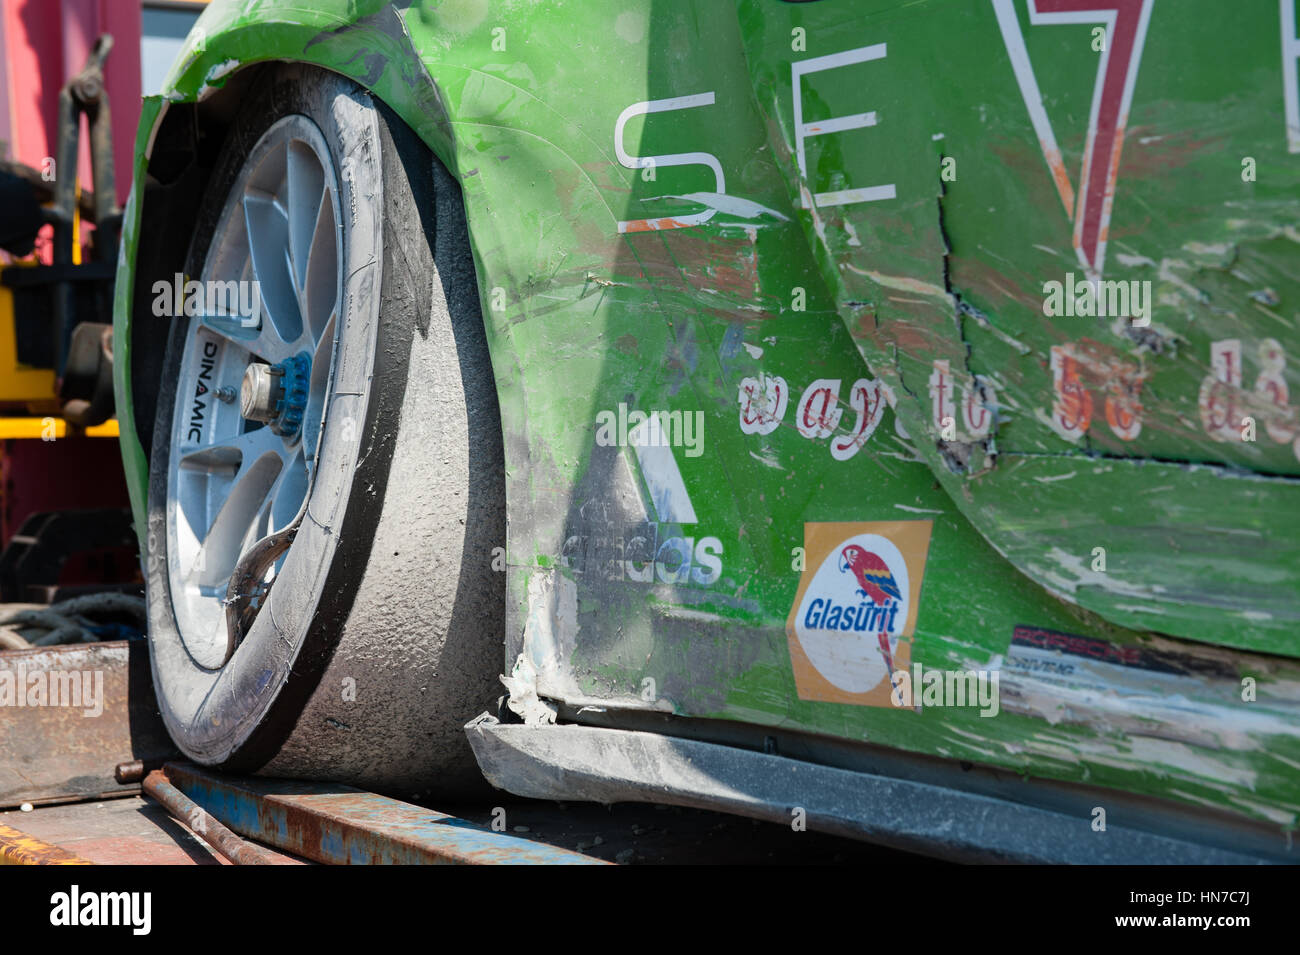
pixel 876 583
pixel 874 578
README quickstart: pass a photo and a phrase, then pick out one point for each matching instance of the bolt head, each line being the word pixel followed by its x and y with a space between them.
pixel 260 392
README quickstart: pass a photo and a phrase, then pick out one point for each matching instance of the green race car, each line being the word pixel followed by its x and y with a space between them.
pixel 863 414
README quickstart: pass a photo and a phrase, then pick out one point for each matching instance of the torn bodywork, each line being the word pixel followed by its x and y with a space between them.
pixel 802 297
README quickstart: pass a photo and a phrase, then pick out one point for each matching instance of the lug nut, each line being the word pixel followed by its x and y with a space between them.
pixel 261 392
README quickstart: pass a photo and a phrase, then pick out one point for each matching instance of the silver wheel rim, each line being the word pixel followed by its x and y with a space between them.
pixel 233 482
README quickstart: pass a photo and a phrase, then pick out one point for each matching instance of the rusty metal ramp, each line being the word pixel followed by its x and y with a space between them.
pixel 70 714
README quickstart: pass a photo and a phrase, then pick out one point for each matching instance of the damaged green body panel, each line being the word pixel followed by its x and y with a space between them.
pixel 646 240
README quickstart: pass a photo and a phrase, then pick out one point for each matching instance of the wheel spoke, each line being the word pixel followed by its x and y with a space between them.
pixel 320 379
pixel 233 328
pixel 306 187
pixel 241 449
pixel 220 470
pixel 288 494
pixel 268 243
pixel 225 539
pixel 321 287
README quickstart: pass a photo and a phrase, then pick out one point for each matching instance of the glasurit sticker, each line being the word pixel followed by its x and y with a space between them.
pixel 855 609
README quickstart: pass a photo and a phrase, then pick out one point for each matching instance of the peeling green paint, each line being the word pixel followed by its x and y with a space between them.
pixel 1199 535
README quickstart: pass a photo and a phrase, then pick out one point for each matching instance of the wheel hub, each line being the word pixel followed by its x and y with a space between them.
pixel 277 394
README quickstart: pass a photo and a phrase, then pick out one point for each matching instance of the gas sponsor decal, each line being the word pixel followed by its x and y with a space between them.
pixel 855 609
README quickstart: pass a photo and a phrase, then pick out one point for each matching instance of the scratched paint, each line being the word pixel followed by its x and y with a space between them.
pixel 662 233
pixel 1220 258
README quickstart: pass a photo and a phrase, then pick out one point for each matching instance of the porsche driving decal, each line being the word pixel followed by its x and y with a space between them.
pixel 1154 687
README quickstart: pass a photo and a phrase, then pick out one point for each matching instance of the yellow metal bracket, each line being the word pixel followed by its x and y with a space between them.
pixel 50 429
